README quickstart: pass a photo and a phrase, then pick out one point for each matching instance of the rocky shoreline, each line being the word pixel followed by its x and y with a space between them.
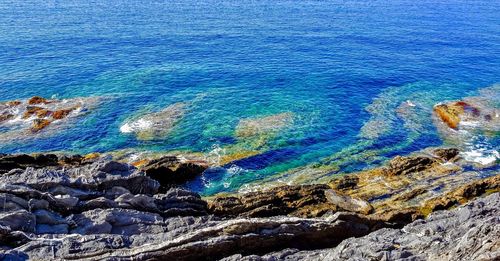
pixel 91 207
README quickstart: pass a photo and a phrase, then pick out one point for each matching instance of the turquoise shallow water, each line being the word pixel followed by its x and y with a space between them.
pixel 336 66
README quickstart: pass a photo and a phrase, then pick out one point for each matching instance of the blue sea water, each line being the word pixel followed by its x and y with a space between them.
pixel 337 66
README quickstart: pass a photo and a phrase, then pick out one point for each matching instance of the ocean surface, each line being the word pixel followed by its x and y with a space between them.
pixel 336 71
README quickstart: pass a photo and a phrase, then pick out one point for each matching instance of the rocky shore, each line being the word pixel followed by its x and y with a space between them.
pixel 91 207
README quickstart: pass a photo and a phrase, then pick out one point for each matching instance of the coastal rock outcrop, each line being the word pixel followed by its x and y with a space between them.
pixel 469 232
pixel 64 207
pixel 300 200
pixel 171 170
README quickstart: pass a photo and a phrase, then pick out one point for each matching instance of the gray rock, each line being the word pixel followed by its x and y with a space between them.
pixel 52 229
pixel 35 204
pixel 47 217
pixel 470 232
pixel 10 202
pixel 18 220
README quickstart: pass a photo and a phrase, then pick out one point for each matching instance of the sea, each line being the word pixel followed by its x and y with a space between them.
pixel 333 74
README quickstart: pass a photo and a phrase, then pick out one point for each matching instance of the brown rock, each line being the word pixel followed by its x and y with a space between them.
pixel 410 194
pixel 400 217
pixel 13 103
pixel 446 154
pixel 43 113
pixel 30 110
pixel 5 117
pixel 170 170
pixel 39 124
pixel 303 201
pixel 450 113
pixel 405 165
pixel 38 100
pixel 61 114
pixel 462 194
pixel 346 182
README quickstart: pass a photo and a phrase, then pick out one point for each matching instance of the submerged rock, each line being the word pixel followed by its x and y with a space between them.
pixel 32 117
pixel 266 125
pixel 157 124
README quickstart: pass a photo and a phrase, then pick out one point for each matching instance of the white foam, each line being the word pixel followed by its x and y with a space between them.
pixel 134 126
pixel 411 104
pixel 482 156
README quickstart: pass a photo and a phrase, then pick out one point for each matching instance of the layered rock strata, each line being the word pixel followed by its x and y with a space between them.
pixel 61 208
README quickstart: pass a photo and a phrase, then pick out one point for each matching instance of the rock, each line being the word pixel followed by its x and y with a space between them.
pixel 479 110
pixel 443 236
pixel 462 194
pixel 302 201
pixel 35 204
pixel 6 117
pixel 265 125
pixel 32 110
pixel 61 114
pixel 100 202
pixel 399 217
pixel 139 202
pixel 406 181
pixel 38 100
pixel 157 124
pixel 52 229
pixel 180 202
pixel 116 221
pixel 11 239
pixel 199 239
pixel 469 232
pixel 25 118
pixel 170 170
pixel 21 220
pixel 65 201
pixel 446 154
pixel 449 114
pixel 39 124
pixel 12 203
pixel 47 217
pixel 347 203
pixel 452 113
pixel 110 210
pixel 22 161
pixel 347 182
pixel 404 165
pixel 13 103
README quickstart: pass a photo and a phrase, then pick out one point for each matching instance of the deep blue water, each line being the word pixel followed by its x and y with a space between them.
pixel 326 62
